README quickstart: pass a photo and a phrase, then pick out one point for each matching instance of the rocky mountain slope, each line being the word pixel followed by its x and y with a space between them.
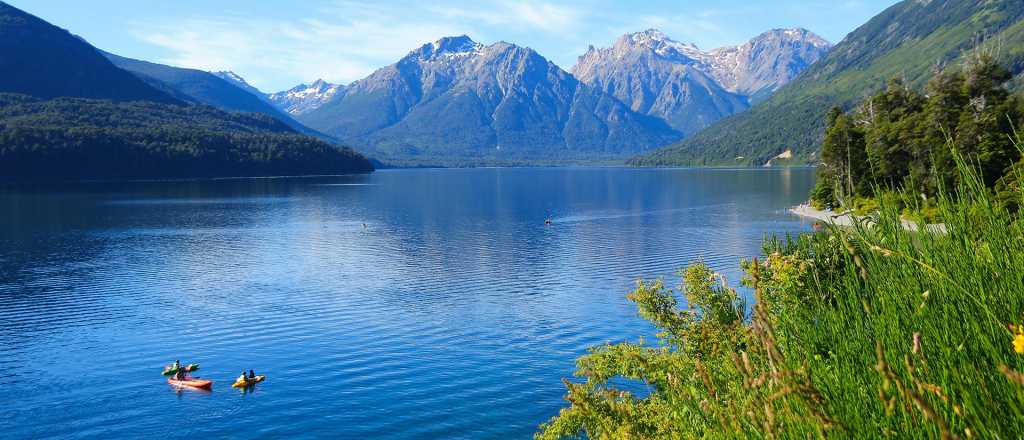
pixel 908 40
pixel 457 100
pixel 767 62
pixel 306 98
pixel 691 88
pixel 202 87
pixel 237 80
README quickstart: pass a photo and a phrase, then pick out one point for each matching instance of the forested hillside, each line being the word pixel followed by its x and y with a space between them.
pixel 202 87
pixel 74 139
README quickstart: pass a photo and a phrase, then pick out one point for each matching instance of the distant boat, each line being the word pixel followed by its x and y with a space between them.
pixel 548 222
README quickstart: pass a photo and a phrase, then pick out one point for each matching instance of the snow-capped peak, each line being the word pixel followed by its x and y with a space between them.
pixel 765 62
pixel 661 44
pixel 238 81
pixel 450 47
pixel 303 98
pixel 230 76
pixel 797 34
pixel 649 35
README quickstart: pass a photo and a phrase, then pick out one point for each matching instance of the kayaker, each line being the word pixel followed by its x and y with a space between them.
pixel 180 374
pixel 242 377
pixel 177 364
pixel 252 374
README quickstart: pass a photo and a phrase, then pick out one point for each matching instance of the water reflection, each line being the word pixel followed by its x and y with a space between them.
pixel 403 304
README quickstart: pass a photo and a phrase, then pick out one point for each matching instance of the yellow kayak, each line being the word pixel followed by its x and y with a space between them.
pixel 249 382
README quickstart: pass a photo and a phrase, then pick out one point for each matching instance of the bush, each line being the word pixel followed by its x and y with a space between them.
pixel 861 332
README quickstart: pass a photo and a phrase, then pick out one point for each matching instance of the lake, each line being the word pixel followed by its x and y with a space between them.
pixel 402 304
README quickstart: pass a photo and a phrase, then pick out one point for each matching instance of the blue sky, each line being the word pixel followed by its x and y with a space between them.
pixel 277 44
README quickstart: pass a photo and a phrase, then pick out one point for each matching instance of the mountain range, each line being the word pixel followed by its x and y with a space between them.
pixel 455 101
pixel 201 87
pixel 910 40
pixel 304 98
pixel 42 60
pixel 459 102
pixel 690 88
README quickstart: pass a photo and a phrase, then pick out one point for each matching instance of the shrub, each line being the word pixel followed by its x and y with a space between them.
pixel 862 332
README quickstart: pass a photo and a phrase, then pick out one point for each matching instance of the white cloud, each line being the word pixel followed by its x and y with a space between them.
pixel 545 16
pixel 266 52
pixel 548 17
pixel 346 41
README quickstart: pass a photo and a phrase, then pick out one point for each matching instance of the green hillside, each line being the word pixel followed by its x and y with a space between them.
pixel 201 87
pixel 910 40
pixel 76 139
pixel 39 59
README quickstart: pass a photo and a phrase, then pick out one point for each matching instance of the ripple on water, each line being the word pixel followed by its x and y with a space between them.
pixel 405 304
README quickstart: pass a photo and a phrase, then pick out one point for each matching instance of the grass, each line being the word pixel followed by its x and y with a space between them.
pixel 859 332
pixel 909 340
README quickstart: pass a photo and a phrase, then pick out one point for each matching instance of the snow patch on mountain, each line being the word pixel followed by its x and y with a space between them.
pixel 451 47
pixel 769 60
pixel 305 98
pixel 240 82
pixel 692 88
pixel 457 100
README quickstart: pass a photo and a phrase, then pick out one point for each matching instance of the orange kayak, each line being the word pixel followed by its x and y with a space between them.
pixel 193 383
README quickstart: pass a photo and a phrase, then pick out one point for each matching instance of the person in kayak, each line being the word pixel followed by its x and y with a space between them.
pixel 252 374
pixel 180 374
pixel 242 378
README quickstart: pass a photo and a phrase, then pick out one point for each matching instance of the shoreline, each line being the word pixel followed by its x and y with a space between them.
pixel 847 218
pixel 805 210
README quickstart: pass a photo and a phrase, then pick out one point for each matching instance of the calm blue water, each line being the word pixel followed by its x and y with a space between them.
pixel 403 304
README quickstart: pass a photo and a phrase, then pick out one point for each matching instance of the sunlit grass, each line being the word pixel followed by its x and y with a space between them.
pixel 865 332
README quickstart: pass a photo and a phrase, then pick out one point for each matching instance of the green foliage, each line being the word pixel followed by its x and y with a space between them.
pixel 865 206
pixel 823 195
pixel 899 138
pixel 904 41
pixel 844 157
pixel 73 139
pixel 861 332
pixel 1008 189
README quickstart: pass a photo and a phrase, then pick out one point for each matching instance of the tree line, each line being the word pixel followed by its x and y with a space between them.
pixel 75 139
pixel 903 139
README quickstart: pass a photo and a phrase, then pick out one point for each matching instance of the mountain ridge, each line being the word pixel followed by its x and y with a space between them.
pixel 905 40
pixel 203 87
pixel 305 98
pixel 71 67
pixel 67 112
pixel 456 99
pixel 691 88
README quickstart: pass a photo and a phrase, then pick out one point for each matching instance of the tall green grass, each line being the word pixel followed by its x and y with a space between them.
pixel 862 332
